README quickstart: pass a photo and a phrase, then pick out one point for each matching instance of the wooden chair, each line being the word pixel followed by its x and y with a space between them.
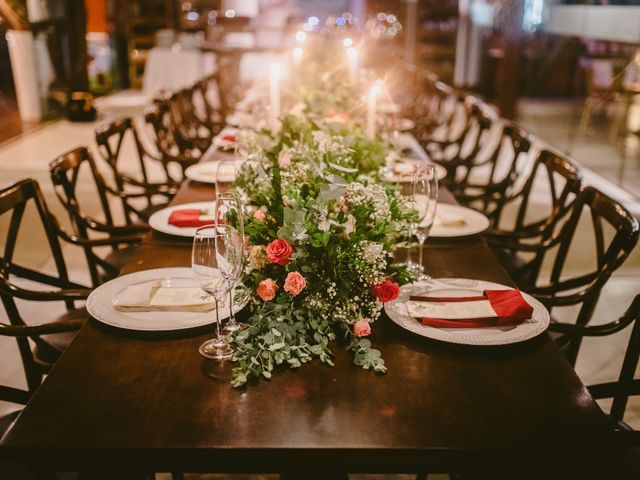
pixel 51 338
pixel 215 109
pixel 487 176
pixel 189 131
pixel 433 108
pixel 158 117
pixel 110 139
pixel 626 385
pixel 530 237
pixel 65 174
pixel 584 289
pixel 459 156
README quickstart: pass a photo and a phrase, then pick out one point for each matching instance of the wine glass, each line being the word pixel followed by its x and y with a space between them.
pixel 216 257
pixel 407 190
pixel 229 212
pixel 425 189
pixel 226 174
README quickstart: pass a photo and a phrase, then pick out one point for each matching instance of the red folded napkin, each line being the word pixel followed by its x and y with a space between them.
pixel 229 138
pixel 509 306
pixel 189 217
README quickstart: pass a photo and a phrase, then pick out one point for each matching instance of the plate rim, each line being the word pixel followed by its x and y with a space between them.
pixel 436 333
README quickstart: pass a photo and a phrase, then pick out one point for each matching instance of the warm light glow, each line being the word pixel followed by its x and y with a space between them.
pixel 301 36
pixel 230 13
pixel 375 89
pixel 352 53
pixel 275 71
pixel 297 53
pixel 347 42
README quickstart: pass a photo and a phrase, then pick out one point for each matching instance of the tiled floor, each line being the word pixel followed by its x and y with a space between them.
pixel 554 121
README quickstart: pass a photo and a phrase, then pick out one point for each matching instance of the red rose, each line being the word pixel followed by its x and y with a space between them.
pixel 386 291
pixel 279 251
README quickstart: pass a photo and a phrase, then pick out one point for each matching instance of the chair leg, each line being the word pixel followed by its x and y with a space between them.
pixel 584 118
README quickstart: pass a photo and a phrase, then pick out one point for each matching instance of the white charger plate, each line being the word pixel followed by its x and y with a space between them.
pixel 159 221
pixel 100 305
pixel 390 176
pixel 475 222
pixel 207 172
pixel 461 287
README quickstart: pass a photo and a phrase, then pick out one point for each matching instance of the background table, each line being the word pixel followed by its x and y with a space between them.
pixel 115 400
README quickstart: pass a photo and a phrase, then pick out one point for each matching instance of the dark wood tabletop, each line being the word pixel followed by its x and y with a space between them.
pixel 116 399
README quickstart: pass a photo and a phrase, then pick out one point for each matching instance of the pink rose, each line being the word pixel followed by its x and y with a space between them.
pixel 386 291
pixel 294 283
pixel 284 160
pixel 259 215
pixel 279 251
pixel 362 328
pixel 267 289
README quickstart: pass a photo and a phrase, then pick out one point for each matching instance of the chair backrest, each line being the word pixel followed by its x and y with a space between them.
pixel 583 289
pixel 14 200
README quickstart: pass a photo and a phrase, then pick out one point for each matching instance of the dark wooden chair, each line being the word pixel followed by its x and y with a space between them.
pixel 65 174
pixel 521 245
pixel 458 155
pixel 51 338
pixel 434 112
pixel 626 385
pixel 487 177
pixel 111 138
pixel 190 131
pixel 611 250
pixel 208 94
pixel 172 153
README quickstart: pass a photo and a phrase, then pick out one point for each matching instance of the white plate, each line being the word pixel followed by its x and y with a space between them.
pixel 475 222
pixel 99 305
pixel 159 221
pixel 460 287
pixel 206 172
pixel 391 176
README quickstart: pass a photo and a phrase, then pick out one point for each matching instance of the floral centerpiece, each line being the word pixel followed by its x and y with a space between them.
pixel 320 236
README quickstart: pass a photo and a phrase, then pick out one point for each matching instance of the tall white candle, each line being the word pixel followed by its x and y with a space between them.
pixel 372 106
pixel 274 96
pixel 353 63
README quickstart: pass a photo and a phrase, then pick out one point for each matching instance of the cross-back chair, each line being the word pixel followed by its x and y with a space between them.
pixel 51 338
pixel 215 109
pixel 433 108
pixel 626 385
pixel 488 176
pixel 158 117
pixel 459 156
pixel 189 131
pixel 66 173
pixel 583 289
pixel 560 180
pixel 111 138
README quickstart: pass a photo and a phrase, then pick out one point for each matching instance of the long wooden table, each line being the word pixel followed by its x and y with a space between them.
pixel 117 400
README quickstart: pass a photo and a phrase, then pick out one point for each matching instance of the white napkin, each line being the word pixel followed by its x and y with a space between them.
pixel 449 219
pixel 154 296
pixel 450 310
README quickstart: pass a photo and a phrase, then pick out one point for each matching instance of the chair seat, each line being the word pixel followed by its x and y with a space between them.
pixel 49 347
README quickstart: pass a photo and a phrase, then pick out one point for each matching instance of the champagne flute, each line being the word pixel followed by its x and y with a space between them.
pixel 216 256
pixel 425 188
pixel 229 212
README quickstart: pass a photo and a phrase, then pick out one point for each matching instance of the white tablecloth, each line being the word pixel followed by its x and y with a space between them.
pixel 173 69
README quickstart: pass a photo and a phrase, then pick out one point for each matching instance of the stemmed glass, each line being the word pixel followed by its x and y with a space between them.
pixel 226 174
pixel 216 258
pixel 229 212
pixel 425 190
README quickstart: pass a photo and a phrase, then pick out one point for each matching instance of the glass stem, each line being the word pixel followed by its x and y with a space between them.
pixel 232 317
pixel 218 336
pixel 421 243
pixel 409 236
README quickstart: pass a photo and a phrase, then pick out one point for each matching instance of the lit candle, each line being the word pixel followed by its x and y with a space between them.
pixel 274 96
pixel 352 61
pixel 372 100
